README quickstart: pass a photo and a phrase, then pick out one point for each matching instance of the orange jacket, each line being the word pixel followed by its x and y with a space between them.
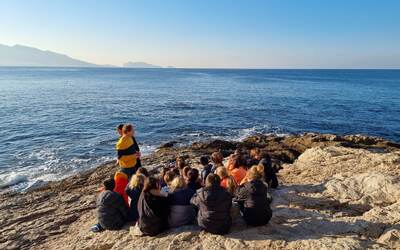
pixel 238 174
pixel 121 180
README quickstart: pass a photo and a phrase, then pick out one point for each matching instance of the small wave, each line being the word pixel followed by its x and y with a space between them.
pixel 12 179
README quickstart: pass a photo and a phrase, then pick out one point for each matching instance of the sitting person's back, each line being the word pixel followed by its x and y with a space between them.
pixel 252 197
pixel 133 190
pixel 181 211
pixel 193 181
pixel 206 168
pixel 112 213
pixel 217 159
pixel 264 159
pixel 269 172
pixel 227 181
pixel 238 172
pixel 214 204
pixel 121 181
pixel 153 209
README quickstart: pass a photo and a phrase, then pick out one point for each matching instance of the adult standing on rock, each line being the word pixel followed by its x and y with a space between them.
pixel 127 154
pixel 135 144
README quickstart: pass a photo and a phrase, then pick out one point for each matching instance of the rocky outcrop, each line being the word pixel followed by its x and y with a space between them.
pixel 336 193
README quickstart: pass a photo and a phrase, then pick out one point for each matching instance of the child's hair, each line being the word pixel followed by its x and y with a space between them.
pixel 178 182
pixel 222 172
pixel 230 184
pixel 204 160
pixel 212 180
pixel 163 171
pixel 150 184
pixel 217 157
pixel 180 162
pixel 120 126
pixel 143 171
pixel 169 176
pixel 193 174
pixel 256 172
pixel 236 161
pixel 137 180
pixel 127 128
pixel 109 184
pixel 185 171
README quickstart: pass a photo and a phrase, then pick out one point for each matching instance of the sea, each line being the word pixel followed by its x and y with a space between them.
pixel 55 122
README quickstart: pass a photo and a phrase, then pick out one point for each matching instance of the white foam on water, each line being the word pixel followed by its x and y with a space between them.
pixel 12 179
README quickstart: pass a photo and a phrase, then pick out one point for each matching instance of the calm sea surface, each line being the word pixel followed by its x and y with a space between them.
pixel 57 121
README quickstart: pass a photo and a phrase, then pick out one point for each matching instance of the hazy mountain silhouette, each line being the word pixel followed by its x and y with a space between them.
pixel 19 55
pixel 139 65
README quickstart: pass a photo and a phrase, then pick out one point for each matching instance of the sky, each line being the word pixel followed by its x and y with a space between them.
pixel 211 33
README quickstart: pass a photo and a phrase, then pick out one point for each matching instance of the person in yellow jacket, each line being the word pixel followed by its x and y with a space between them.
pixel 127 154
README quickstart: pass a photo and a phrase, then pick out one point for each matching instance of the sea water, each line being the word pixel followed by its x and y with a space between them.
pixel 57 121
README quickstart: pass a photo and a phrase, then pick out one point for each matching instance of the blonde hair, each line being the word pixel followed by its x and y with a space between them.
pixel 222 172
pixel 178 182
pixel 137 180
pixel 256 172
pixel 230 184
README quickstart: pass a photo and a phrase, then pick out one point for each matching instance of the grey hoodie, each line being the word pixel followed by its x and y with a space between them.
pixel 112 212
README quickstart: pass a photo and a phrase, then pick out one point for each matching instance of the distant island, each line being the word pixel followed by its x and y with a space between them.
pixel 140 65
pixel 19 55
pixel 25 56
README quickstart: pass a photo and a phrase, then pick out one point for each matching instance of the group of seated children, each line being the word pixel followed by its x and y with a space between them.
pixel 183 195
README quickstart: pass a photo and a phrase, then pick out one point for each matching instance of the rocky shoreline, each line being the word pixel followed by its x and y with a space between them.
pixel 336 192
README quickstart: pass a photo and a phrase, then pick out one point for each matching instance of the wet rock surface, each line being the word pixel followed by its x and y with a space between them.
pixel 337 192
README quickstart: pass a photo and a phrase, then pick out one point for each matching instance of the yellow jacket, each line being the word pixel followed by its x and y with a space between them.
pixel 126 161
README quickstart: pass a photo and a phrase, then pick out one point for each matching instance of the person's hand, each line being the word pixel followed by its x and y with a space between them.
pixel 244 180
pixel 138 154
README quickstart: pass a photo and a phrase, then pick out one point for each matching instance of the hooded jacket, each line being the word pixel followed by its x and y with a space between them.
pixel 112 213
pixel 153 213
pixel 181 211
pixel 214 204
pixel 254 204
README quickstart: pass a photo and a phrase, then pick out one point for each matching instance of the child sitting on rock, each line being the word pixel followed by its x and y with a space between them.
pixel 206 168
pixel 214 204
pixel 181 211
pixel 112 212
pixel 121 181
pixel 133 190
pixel 252 197
pixel 153 209
pixel 217 161
pixel 227 181
pixel 193 182
pixel 168 178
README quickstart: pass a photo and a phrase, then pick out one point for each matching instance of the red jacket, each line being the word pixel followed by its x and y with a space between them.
pixel 121 180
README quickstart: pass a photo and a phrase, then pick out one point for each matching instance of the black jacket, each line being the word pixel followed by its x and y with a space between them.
pixel 254 204
pixel 134 195
pixel 214 204
pixel 205 172
pixel 112 212
pixel 153 213
pixel 269 173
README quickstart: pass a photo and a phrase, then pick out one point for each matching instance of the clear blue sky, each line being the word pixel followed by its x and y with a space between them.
pixel 211 33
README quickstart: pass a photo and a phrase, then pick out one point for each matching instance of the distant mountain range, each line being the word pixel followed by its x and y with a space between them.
pixel 19 55
pixel 139 65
